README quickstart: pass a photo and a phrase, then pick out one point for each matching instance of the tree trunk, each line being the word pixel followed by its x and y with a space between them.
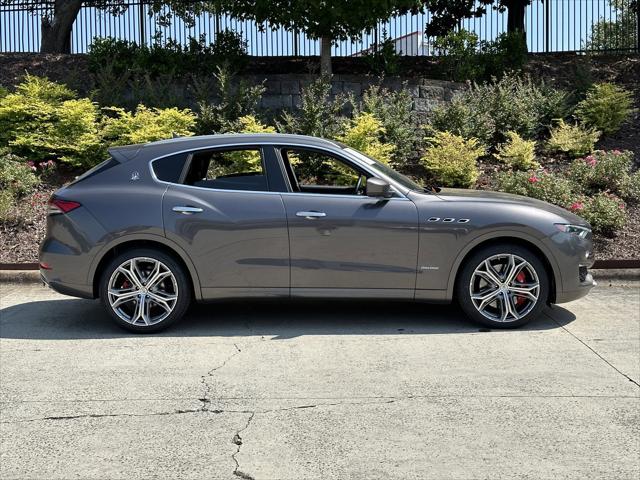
pixel 325 57
pixel 515 18
pixel 56 29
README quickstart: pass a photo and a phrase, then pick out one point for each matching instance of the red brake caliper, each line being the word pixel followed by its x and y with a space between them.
pixel 520 278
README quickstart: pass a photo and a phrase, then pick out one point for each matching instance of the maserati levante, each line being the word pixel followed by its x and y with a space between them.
pixel 158 226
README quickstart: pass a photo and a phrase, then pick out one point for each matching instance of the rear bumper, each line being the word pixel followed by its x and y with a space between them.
pixel 81 291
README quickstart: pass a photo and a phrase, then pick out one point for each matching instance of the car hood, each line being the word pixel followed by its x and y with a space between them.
pixel 483 196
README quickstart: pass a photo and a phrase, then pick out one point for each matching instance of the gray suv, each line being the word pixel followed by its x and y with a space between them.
pixel 283 216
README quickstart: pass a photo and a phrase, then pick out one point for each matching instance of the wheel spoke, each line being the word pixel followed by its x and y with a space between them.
pixel 486 299
pixel 490 273
pixel 162 301
pixel 514 268
pixel 122 297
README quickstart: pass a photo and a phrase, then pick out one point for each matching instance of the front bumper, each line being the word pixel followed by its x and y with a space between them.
pixel 584 287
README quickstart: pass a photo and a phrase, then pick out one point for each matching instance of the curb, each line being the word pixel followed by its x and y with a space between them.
pixel 619 275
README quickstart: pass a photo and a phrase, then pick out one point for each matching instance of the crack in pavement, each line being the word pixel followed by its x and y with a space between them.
pixel 635 382
pixel 207 387
pixel 237 439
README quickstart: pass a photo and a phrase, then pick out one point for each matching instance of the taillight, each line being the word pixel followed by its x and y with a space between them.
pixel 57 205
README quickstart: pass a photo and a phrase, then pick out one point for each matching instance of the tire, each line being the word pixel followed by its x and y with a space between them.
pixel 162 284
pixel 494 295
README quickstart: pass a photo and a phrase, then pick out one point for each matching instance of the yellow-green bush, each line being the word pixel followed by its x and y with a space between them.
pixel 248 160
pixel 43 120
pixel 573 140
pixel 518 153
pixel 146 124
pixel 364 134
pixel 605 108
pixel 452 160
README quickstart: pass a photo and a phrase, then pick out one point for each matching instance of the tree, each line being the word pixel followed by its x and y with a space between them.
pixel 327 20
pixel 58 16
pixel 446 14
pixel 619 33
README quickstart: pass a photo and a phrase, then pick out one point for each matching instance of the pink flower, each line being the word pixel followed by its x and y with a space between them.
pixel 533 179
pixel 621 206
pixel 617 152
pixel 590 160
pixel 575 206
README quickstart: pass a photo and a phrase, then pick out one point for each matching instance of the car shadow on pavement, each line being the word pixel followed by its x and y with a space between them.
pixel 85 319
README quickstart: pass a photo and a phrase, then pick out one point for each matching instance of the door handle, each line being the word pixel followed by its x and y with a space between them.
pixel 185 210
pixel 311 215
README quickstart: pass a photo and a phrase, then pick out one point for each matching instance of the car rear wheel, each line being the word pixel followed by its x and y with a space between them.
pixel 503 286
pixel 145 290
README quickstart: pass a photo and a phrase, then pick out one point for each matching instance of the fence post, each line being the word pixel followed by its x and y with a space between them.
pixel 141 14
pixel 547 20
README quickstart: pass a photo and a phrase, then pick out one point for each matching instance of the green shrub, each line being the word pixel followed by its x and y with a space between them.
pixel 463 57
pixel 487 111
pixel 146 125
pixel 7 204
pixel 602 171
pixel 394 109
pixel 631 188
pixel 195 58
pixel 544 186
pixel 605 108
pixel 235 99
pixel 604 211
pixel 43 120
pixel 459 58
pixel 573 140
pixel 383 58
pixel 16 176
pixel 452 160
pixel 364 133
pixel 3 92
pixel 518 153
pixel 319 114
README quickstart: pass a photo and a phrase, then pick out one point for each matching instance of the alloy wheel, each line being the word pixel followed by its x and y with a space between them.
pixel 142 291
pixel 504 288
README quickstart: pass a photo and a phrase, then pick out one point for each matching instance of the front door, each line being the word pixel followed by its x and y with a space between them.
pixel 341 241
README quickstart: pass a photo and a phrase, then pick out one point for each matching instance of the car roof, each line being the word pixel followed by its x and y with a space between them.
pixel 149 151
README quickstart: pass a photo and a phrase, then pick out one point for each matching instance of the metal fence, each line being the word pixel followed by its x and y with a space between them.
pixel 551 26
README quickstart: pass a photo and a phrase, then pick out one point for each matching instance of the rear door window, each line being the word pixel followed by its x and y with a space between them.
pixel 238 169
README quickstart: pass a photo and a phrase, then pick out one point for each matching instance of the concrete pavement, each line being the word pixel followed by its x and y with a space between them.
pixel 319 390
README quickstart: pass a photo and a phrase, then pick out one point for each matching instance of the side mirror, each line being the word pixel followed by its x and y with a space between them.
pixel 378 188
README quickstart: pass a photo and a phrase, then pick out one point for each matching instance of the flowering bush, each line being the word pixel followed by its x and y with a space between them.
pixel 542 185
pixel 16 176
pixel 452 160
pixel 573 140
pixel 518 153
pixel 602 171
pixel 604 211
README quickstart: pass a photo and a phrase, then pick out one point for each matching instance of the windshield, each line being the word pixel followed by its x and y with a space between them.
pixel 385 170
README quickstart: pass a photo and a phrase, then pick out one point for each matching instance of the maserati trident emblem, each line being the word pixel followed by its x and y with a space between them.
pixel 135 176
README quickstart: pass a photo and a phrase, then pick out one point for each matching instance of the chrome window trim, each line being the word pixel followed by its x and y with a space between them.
pixel 231 145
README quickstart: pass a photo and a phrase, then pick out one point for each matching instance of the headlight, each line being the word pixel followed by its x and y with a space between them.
pixel 582 232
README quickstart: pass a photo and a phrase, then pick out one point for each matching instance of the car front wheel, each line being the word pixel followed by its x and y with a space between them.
pixel 503 286
pixel 145 290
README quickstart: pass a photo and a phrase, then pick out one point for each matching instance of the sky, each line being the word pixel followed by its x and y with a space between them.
pixel 560 25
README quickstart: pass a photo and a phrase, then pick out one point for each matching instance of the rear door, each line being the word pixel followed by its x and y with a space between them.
pixel 223 213
pixel 342 242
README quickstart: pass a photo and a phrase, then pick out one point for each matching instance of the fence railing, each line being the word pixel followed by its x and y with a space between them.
pixel 550 25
